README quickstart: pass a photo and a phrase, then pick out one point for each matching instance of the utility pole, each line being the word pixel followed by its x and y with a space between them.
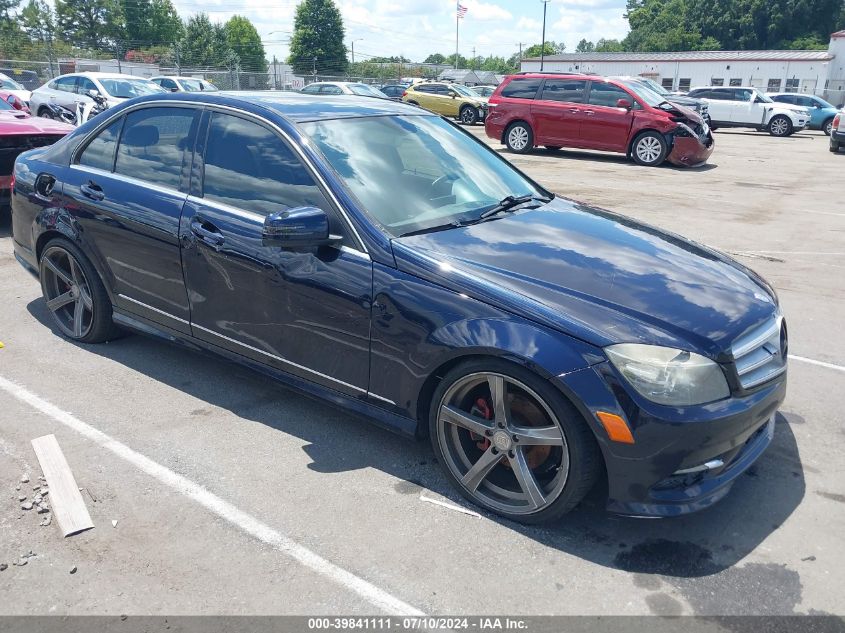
pixel 543 44
pixel 315 67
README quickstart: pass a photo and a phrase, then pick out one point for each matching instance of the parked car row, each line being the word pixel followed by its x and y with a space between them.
pixel 747 107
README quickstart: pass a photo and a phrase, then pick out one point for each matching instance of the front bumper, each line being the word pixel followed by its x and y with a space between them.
pixel 688 151
pixel 643 478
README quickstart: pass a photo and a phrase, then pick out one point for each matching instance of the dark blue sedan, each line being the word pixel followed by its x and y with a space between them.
pixel 378 256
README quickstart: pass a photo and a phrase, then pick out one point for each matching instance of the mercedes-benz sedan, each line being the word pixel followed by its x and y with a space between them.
pixel 376 255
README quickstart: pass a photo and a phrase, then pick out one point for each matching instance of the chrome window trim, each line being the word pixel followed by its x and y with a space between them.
pixel 130 179
pixel 280 359
pixel 382 398
pixel 309 165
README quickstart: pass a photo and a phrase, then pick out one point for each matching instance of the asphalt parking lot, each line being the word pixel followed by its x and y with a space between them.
pixel 234 495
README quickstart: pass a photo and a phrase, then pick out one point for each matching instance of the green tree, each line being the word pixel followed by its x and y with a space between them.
pixel 38 21
pixel 243 38
pixel 551 48
pixel 204 44
pixel 150 23
pixel 94 24
pixel 317 42
pixel 585 46
pixel 609 46
pixel 435 58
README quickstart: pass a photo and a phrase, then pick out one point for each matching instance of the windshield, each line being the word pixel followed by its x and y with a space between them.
pixel 463 91
pixel 654 86
pixel 5 106
pixel 128 88
pixel 644 92
pixel 415 172
pixel 366 91
pixel 10 84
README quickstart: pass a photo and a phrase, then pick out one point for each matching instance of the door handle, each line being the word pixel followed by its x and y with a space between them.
pixel 589 112
pixel 92 190
pixel 206 232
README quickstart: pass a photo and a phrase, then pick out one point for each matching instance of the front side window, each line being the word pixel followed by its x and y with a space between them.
pixel 85 85
pixel 412 173
pixel 743 94
pixel 330 89
pixel 66 84
pixel 607 95
pixel 311 89
pixel 154 145
pixel 568 90
pixel 249 167
pixel 121 88
pixel 522 89
pixel 100 152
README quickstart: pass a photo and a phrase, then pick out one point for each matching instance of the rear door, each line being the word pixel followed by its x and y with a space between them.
pixel 303 311
pixel 605 126
pixel 64 92
pixel 558 112
pixel 128 185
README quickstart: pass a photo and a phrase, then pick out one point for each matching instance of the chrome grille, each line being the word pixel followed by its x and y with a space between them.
pixel 760 355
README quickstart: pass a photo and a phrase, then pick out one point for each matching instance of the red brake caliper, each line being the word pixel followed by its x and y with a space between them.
pixel 481 409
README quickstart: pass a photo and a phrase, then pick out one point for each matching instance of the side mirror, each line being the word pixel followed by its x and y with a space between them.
pixel 93 93
pixel 453 94
pixel 624 103
pixel 297 228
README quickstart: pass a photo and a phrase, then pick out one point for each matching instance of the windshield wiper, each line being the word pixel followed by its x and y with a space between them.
pixel 434 229
pixel 506 204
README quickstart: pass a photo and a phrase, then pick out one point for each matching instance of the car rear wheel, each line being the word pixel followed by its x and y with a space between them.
pixel 649 149
pixel 519 138
pixel 75 295
pixel 469 115
pixel 834 146
pixel 827 127
pixel 510 442
pixel 780 126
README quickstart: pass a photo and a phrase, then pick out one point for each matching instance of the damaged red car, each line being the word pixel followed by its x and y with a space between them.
pixel 19 132
pixel 556 110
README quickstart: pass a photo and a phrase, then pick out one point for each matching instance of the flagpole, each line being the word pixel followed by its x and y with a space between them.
pixel 457 47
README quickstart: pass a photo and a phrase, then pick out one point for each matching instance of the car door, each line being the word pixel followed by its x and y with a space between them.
pixel 128 186
pixel 744 107
pixel 304 311
pixel 448 102
pixel 605 126
pixel 423 94
pixel 558 111
pixel 64 92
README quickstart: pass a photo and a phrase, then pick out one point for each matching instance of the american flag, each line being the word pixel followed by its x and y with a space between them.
pixel 462 10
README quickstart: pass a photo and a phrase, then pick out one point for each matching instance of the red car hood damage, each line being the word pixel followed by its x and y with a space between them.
pixel 15 122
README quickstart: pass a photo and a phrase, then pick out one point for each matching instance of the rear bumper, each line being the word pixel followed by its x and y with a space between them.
pixel 837 136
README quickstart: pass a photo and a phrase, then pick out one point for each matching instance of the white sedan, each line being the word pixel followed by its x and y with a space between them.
pixel 76 89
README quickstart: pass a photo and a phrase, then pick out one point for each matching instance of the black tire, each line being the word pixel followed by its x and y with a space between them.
pixel 468 115
pixel 99 326
pixel 579 449
pixel 553 148
pixel 827 126
pixel 649 149
pixel 519 138
pixel 44 113
pixel 780 126
pixel 834 146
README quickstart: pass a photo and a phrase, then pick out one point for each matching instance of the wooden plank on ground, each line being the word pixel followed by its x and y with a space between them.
pixel 65 500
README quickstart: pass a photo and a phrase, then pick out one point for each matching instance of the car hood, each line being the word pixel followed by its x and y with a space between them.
pixel 789 106
pixel 598 276
pixel 17 122
pixel 689 102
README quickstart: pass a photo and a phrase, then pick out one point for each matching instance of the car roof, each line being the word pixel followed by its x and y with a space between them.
pixel 296 106
pixel 724 88
pixel 100 75
pixel 177 77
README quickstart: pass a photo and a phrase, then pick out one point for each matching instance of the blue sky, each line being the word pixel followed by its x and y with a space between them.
pixel 416 28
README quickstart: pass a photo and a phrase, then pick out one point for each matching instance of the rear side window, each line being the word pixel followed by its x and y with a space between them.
pixel 424 88
pixel 66 84
pixel 100 151
pixel 784 98
pixel 568 90
pixel 522 88
pixel 249 167
pixel 154 145
pixel 331 89
pixel 607 95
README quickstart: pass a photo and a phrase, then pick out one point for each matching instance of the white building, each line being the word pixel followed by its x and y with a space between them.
pixel 819 72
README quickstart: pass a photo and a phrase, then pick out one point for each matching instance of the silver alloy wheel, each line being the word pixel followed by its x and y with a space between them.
pixel 468 115
pixel 67 292
pixel 649 149
pixel 518 137
pixel 779 126
pixel 515 459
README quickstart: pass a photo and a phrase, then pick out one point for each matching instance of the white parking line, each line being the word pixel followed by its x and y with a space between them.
pixel 820 363
pixel 240 519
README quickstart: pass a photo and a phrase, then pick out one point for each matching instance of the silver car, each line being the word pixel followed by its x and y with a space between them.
pixel 75 89
pixel 184 84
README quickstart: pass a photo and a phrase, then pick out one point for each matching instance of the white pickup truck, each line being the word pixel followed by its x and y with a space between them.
pixel 740 106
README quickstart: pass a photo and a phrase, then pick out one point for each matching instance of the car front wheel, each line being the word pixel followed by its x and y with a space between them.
pixel 510 442
pixel 519 138
pixel 75 296
pixel 827 128
pixel 469 115
pixel 649 149
pixel 780 126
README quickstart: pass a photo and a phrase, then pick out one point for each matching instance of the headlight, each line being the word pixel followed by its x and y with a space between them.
pixel 669 376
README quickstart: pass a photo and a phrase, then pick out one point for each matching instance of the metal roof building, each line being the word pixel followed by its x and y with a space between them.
pixel 820 72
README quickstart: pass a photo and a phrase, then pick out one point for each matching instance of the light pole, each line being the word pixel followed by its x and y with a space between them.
pixel 543 44
pixel 352 44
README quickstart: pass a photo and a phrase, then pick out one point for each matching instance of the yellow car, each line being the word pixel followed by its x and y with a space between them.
pixel 452 100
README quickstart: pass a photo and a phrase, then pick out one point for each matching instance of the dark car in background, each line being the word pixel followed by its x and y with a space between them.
pixel 699 106
pixel 394 91
pixel 380 257
pixel 595 113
